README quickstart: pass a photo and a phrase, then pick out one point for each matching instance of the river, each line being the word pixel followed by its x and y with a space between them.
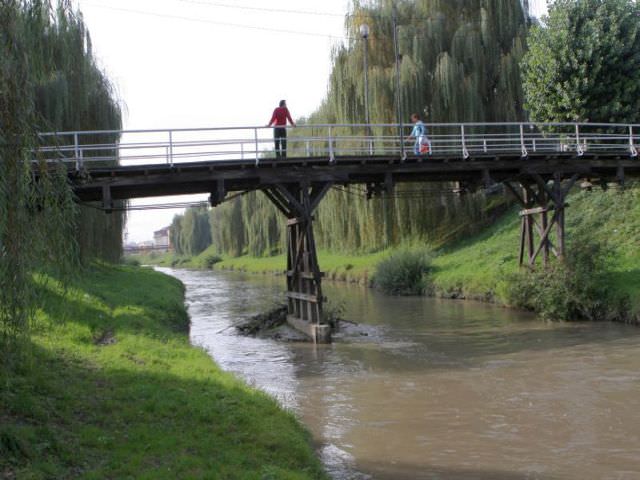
pixel 438 389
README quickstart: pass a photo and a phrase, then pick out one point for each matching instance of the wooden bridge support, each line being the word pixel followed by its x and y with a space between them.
pixel 304 278
pixel 538 198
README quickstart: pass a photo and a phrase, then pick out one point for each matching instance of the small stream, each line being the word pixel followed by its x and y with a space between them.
pixel 438 389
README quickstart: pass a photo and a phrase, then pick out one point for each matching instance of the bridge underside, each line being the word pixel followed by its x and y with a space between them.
pixel 218 177
pixel 296 186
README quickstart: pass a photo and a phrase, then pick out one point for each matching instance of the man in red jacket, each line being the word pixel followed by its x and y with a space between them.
pixel 279 120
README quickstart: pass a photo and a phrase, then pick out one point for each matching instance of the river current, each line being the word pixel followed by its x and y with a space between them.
pixel 438 389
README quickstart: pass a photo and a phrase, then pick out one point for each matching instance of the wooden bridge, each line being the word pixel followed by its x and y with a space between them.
pixel 538 163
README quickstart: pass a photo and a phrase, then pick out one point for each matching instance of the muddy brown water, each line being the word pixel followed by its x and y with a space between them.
pixel 438 389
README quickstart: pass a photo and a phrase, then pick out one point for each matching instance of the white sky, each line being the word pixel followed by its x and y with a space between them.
pixel 188 63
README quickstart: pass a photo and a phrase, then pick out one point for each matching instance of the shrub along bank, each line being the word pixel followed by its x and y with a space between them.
pixel 600 280
pixel 109 387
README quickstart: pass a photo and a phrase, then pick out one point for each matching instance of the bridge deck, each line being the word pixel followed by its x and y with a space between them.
pixel 238 175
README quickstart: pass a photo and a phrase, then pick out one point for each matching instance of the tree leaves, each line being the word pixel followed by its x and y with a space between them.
pixel 583 63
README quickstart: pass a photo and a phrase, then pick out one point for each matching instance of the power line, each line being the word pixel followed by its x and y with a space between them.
pixel 263 9
pixel 155 206
pixel 163 206
pixel 213 22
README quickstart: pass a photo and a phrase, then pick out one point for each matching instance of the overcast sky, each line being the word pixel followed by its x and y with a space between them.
pixel 210 63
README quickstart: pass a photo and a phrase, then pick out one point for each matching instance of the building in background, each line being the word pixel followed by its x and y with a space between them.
pixel 162 239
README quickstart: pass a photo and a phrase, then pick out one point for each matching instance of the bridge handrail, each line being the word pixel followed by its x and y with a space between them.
pixel 338 125
pixel 335 140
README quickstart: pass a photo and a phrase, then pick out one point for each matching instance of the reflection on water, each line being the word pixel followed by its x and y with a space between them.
pixel 439 389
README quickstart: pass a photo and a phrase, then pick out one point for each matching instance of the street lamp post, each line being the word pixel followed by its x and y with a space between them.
pixel 397 65
pixel 364 33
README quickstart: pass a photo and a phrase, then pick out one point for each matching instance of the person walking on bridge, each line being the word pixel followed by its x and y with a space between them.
pixel 279 120
pixel 422 144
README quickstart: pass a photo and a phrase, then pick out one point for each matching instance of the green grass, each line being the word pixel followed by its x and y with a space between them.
pixel 109 387
pixel 342 267
pixel 477 267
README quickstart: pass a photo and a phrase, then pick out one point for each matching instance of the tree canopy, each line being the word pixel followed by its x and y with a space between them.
pixel 583 63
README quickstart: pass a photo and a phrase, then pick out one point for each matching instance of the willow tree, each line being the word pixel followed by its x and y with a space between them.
pixel 72 93
pixel 48 81
pixel 459 62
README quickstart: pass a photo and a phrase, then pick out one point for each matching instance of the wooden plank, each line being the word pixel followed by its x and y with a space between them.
pixel 522 242
pixel 318 195
pixel 298 220
pixel 291 200
pixel 544 236
pixel 307 275
pixel 194 177
pixel 516 194
pixel 107 202
pixel 536 210
pixel 302 296
pixel 276 202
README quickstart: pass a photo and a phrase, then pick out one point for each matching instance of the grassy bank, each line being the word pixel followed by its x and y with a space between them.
pixel 482 266
pixel 340 267
pixel 109 387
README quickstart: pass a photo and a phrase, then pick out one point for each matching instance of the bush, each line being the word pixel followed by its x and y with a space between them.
pixel 130 261
pixel 574 290
pixel 211 260
pixel 402 273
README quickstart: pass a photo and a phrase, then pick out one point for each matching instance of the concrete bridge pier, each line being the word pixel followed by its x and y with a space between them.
pixel 297 202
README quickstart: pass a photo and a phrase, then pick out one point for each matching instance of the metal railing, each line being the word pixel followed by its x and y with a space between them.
pixel 332 142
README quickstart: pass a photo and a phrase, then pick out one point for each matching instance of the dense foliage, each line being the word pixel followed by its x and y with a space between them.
pixel 191 233
pixel 601 278
pixel 583 63
pixel 49 81
pixel 402 273
pixel 574 289
pixel 459 62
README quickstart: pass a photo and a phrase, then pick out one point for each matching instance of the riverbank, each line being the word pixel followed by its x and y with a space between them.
pixel 481 267
pixel 108 386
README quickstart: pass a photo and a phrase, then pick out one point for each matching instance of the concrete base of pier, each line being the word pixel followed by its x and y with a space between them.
pixel 319 333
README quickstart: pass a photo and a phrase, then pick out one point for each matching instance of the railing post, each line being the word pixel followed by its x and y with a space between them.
pixel 307 148
pixel 465 152
pixel 170 148
pixel 632 148
pixel 76 150
pixel 332 157
pixel 579 150
pixel 523 148
pixel 255 138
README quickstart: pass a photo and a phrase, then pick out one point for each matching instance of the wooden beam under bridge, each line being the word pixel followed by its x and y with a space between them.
pixel 297 201
pixel 538 197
